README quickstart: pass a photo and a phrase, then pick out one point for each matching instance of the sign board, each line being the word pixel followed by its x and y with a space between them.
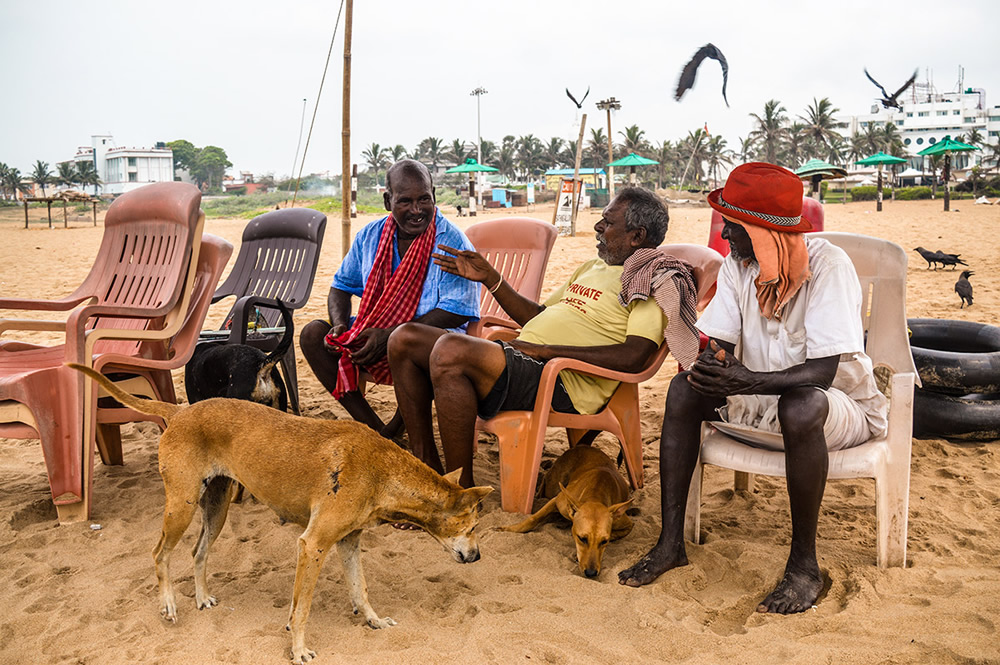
pixel 564 207
pixel 531 192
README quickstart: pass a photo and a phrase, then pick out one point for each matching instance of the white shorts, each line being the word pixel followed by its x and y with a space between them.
pixel 846 424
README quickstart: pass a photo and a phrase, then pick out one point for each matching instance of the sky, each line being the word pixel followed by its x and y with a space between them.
pixel 235 74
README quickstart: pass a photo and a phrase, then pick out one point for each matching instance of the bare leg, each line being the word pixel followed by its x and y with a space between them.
pixel 802 413
pixel 409 360
pixel 463 370
pixel 679 444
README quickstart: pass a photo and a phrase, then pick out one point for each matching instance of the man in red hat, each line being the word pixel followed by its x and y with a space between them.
pixel 787 355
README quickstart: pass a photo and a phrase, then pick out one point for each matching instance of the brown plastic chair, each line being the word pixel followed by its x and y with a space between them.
pixel 519 248
pixel 521 434
pixel 881 268
pixel 130 305
pixel 277 260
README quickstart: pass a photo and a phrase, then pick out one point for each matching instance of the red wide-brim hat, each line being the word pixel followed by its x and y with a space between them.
pixel 764 195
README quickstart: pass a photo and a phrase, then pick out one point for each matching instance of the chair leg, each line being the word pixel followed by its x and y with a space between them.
pixel 291 379
pixel 520 456
pixel 109 444
pixel 892 511
pixel 692 514
pixel 624 405
pixel 743 481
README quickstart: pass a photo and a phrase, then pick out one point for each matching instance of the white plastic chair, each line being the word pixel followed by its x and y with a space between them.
pixel 881 268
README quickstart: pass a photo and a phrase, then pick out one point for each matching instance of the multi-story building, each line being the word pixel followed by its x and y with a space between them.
pixel 123 169
pixel 928 116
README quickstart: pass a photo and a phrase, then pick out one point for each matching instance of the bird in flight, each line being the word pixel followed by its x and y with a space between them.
pixel 579 104
pixel 690 71
pixel 889 101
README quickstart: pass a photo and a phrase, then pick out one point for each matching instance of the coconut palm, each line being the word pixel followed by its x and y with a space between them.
pixel 375 157
pixel 695 148
pixel 873 138
pixel 488 152
pixel 86 174
pixel 66 174
pixel 3 179
pixel 634 141
pixel 995 156
pixel 836 149
pixel 598 148
pixel 717 154
pixel 892 141
pixel 530 155
pixel 568 155
pixel 432 149
pixel 457 153
pixel 819 125
pixel 796 147
pixel 857 147
pixel 12 183
pixel 41 174
pixel 398 152
pixel 747 149
pixel 506 161
pixel 664 153
pixel 554 152
pixel 770 130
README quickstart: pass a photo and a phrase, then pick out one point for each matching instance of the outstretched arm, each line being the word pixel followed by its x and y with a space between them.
pixel 629 356
pixel 473 266
pixel 718 375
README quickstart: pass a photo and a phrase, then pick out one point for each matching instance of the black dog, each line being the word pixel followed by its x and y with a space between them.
pixel 240 371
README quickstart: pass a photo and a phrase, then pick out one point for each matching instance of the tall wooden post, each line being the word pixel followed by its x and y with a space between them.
pixel 354 190
pixel 49 204
pixel 25 213
pixel 65 217
pixel 576 176
pixel 878 193
pixel 345 207
pixel 947 175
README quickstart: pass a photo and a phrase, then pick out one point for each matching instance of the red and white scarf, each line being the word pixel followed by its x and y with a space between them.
pixel 389 298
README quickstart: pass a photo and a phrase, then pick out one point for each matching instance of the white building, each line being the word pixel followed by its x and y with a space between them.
pixel 929 116
pixel 123 169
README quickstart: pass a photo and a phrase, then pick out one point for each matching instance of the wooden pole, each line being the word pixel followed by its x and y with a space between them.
pixel 878 205
pixel 576 176
pixel 947 175
pixel 65 218
pixel 95 213
pixel 25 214
pixel 345 225
pixel 49 205
pixel 354 190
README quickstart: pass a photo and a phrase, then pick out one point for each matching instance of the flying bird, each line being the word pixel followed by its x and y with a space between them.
pixel 946 259
pixel 579 104
pixel 889 101
pixel 690 71
pixel 964 289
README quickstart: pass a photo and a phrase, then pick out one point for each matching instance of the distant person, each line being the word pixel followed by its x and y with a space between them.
pixel 459 207
pixel 787 316
pixel 389 268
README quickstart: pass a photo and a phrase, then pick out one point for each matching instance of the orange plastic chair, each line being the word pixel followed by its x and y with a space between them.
pixel 521 434
pixel 130 306
pixel 519 248
pixel 881 268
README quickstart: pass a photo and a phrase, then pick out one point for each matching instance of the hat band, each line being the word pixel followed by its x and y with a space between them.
pixel 773 219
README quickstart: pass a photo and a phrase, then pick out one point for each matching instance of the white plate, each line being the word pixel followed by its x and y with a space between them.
pixel 751 435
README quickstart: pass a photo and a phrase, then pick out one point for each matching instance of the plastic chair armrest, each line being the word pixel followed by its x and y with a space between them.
pixel 60 305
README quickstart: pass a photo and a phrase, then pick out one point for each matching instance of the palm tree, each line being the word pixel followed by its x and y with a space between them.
pixel 12 183
pixel 819 125
pixel 457 153
pixel 529 154
pixel 568 155
pixel 86 174
pixel 597 147
pixel 717 154
pixel 873 138
pixel 375 156
pixel 996 156
pixel 892 141
pixel 836 150
pixel 41 174
pixel 796 146
pixel 747 149
pixel 695 148
pixel 554 152
pixel 3 179
pixel 506 161
pixel 66 174
pixel 431 149
pixel 634 141
pixel 770 130
pixel 488 151
pixel 664 154
pixel 398 152
pixel 857 147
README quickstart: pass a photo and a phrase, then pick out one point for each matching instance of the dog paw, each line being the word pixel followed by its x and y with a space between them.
pixel 303 656
pixel 169 612
pixel 206 602
pixel 384 622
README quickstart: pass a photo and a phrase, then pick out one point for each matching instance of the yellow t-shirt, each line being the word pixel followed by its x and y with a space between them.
pixel 585 312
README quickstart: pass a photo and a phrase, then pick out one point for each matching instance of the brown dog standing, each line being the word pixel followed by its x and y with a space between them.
pixel 586 488
pixel 332 477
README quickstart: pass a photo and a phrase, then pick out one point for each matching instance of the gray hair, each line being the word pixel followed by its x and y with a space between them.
pixel 645 210
pixel 410 167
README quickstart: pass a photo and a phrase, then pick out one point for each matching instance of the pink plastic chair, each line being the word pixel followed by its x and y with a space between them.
pixel 519 248
pixel 812 210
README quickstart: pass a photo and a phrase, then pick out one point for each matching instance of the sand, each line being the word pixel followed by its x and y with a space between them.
pixel 73 594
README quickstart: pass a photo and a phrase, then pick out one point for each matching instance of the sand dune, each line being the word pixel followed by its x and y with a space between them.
pixel 73 594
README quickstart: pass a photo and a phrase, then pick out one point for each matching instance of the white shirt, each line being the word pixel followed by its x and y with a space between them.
pixel 823 319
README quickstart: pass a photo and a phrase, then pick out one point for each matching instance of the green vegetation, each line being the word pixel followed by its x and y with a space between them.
pixel 913 193
pixel 248 207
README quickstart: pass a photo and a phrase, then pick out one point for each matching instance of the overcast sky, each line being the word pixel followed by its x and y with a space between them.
pixel 234 74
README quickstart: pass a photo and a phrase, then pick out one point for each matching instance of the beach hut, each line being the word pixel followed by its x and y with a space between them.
pixel 946 147
pixel 471 166
pixel 632 160
pixel 879 160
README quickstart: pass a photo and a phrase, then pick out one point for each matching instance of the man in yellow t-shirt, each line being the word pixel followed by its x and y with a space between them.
pixel 583 320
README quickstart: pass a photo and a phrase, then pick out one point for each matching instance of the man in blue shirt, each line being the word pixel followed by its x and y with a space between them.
pixel 389 268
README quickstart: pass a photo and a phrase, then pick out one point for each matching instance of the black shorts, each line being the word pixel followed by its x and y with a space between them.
pixel 517 386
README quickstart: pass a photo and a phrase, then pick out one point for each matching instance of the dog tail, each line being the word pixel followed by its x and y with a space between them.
pixel 274 357
pixel 164 410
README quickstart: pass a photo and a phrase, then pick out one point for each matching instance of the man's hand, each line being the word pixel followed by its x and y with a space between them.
pixel 717 373
pixel 536 351
pixel 468 264
pixel 375 342
pixel 335 331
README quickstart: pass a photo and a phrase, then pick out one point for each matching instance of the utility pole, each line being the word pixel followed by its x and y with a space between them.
pixel 610 104
pixel 345 200
pixel 477 93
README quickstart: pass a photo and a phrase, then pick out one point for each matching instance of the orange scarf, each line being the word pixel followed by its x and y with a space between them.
pixel 784 267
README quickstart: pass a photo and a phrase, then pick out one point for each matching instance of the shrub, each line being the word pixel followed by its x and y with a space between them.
pixel 913 193
pixel 864 193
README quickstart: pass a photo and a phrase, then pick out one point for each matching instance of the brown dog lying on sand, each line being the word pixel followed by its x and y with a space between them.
pixel 586 488
pixel 332 477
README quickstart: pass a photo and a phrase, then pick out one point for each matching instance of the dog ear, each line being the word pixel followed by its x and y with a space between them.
pixel 474 495
pixel 453 476
pixel 619 509
pixel 569 497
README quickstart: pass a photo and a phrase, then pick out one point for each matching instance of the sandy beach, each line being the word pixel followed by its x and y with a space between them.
pixel 77 595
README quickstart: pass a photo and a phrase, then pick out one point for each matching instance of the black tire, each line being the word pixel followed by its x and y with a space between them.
pixel 956 357
pixel 966 418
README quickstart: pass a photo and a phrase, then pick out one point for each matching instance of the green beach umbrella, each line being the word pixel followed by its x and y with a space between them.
pixel 816 170
pixel 471 166
pixel 946 147
pixel 880 159
pixel 633 160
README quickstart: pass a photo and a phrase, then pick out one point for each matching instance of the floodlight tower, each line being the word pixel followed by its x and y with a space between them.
pixel 610 104
pixel 477 93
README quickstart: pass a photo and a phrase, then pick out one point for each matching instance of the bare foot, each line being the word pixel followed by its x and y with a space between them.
pixel 656 562
pixel 796 592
